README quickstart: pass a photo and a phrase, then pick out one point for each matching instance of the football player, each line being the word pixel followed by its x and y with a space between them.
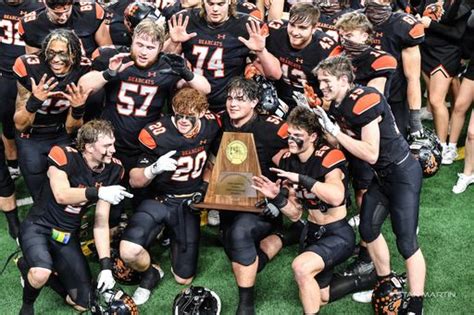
pixel 175 151
pixel 400 35
pixel 299 46
pixel 49 239
pixel 242 7
pixel 368 131
pixel 85 18
pixel 331 11
pixel 317 182
pixel 445 24
pixel 243 231
pixel 213 39
pixel 49 105
pixel 11 47
pixel 137 86
pixel 373 68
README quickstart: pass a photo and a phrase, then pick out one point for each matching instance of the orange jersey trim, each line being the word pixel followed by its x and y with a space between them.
pixel 146 139
pixel 332 158
pixel 58 156
pixel 384 62
pixel 365 103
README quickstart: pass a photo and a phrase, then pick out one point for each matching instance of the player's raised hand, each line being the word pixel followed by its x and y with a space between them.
pixel 292 177
pixel 264 185
pixel 177 29
pixel 116 62
pixel 256 41
pixel 42 90
pixel 76 95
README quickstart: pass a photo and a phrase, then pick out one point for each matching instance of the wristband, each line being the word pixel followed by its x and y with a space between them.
pixel 188 75
pixel 109 74
pixel 33 104
pixel 279 201
pixel 306 181
pixel 78 112
pixel 105 263
pixel 92 194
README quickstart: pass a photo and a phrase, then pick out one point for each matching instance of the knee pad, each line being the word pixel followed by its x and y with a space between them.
pixel 371 223
pixel 407 246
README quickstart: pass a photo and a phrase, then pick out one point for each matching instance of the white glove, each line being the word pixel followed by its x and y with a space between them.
pixel 105 280
pixel 164 164
pixel 326 123
pixel 301 99
pixel 113 194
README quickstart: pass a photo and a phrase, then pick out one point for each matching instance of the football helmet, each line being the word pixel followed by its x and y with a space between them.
pixel 113 302
pixel 137 11
pixel 121 272
pixel 197 301
pixel 427 150
pixel 269 101
pixel 387 298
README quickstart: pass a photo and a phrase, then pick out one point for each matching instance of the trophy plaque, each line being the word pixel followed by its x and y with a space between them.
pixel 230 185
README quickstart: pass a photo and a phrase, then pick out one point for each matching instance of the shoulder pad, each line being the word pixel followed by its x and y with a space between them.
pixel 58 155
pixel 332 158
pixel 147 139
pixel 384 62
pixel 366 102
pixel 20 68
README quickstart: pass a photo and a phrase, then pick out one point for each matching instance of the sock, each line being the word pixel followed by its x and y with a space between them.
pixel 246 301
pixel 13 223
pixel 415 305
pixel 150 278
pixel 12 163
pixel 452 145
pixel 380 278
pixel 262 259
pixel 30 295
pixel 364 254
pixel 341 286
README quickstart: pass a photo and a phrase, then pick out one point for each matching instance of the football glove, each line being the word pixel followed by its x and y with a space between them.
pixel 178 66
pixel 326 123
pixel 113 194
pixel 164 164
pixel 105 280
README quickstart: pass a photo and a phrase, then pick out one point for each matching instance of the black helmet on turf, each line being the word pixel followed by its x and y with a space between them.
pixel 113 302
pixel 138 11
pixel 197 301
pixel 121 272
pixel 387 298
pixel 427 150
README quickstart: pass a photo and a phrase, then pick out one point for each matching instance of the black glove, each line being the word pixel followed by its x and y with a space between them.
pixel 270 211
pixel 178 66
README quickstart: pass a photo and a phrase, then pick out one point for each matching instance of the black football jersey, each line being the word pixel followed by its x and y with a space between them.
pixel 297 65
pixel 135 98
pixel 114 18
pixel 363 105
pixel 216 53
pixel 400 31
pixel 11 45
pixel 323 161
pixel 162 136
pixel 85 19
pixel 270 134
pixel 68 217
pixel 54 109
pixel 373 63
pixel 327 23
pixel 242 7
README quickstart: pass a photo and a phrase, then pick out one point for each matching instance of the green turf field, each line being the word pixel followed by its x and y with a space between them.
pixel 446 234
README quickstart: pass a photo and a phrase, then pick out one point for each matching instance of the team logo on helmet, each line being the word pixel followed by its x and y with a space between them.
pixel 427 150
pixel 387 298
pixel 197 301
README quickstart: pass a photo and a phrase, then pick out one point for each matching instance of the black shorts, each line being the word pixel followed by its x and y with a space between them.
pixel 242 233
pixel 333 242
pixel 444 59
pixel 33 150
pixel 361 173
pixel 8 91
pixel 183 227
pixel 469 73
pixel 41 250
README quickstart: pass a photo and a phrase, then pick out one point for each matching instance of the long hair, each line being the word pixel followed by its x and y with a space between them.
pixel 69 38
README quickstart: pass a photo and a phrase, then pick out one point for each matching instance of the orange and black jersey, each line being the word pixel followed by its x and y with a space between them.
pixel 68 217
pixel 297 65
pixel 327 23
pixel 135 97
pixel 85 19
pixel 270 134
pixel 11 45
pixel 400 31
pixel 361 106
pixel 216 53
pixel 54 109
pixel 373 63
pixel 162 136
pixel 323 161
